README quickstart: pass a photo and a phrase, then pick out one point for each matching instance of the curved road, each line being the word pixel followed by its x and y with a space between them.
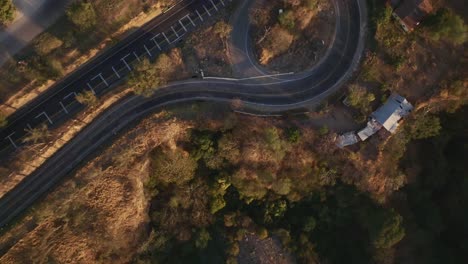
pixel 265 95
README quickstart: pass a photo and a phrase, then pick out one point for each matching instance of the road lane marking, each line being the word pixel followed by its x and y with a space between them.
pixel 198 13
pixel 102 78
pixel 189 18
pixel 164 35
pixel 147 50
pixel 136 56
pixel 214 5
pixel 182 24
pixel 207 11
pixel 155 42
pixel 64 108
pixel 45 114
pixel 175 32
pixel 126 64
pixel 116 72
pixel 11 140
pixel 91 88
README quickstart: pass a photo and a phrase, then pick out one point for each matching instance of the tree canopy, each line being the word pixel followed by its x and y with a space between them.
pixel 446 25
pixel 82 14
pixel 7 11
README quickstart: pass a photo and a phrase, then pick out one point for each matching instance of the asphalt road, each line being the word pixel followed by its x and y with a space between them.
pixel 58 103
pixel 264 95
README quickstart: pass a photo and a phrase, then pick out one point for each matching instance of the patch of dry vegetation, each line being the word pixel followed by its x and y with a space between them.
pixel 294 38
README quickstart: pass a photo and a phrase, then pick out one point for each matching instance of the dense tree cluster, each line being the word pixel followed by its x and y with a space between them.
pixel 7 11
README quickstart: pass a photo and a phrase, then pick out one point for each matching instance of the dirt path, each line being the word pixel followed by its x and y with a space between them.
pixel 33 18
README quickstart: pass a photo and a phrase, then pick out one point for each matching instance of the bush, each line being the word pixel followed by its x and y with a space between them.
pixel 171 166
pixel 7 11
pixel 82 14
pixel 147 77
pixel 286 20
pixel 359 98
pixel 46 43
pixel 447 25
pixel 425 126
pixel 87 98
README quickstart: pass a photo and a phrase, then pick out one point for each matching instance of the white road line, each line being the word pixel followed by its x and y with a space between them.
pixel 102 78
pixel 189 18
pixel 45 114
pixel 64 108
pixel 126 64
pixel 198 13
pixel 116 72
pixel 147 50
pixel 11 140
pixel 182 24
pixel 91 88
pixel 175 32
pixel 222 2
pixel 214 5
pixel 136 56
pixel 70 94
pixel 155 42
pixel 164 35
pixel 207 11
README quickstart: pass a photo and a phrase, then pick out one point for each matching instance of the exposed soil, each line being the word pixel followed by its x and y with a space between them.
pixel 297 47
pixel 268 251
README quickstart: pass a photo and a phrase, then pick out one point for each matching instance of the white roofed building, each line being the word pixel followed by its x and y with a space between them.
pixel 389 114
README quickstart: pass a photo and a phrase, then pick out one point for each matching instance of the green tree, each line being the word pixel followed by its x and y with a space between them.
pixel 146 77
pixel 309 224
pixel 82 14
pixel 203 237
pixel 447 25
pixel 87 98
pixel 7 11
pixel 287 20
pixel 386 229
pixel 425 126
pixel 360 98
pixel 37 135
pixel 171 166
pixel 293 134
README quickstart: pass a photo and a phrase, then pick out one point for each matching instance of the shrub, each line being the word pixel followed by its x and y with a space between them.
pixel 425 126
pixel 46 43
pixel 7 11
pixel 171 166
pixel 286 20
pixel 82 14
pixel 87 98
pixel 447 25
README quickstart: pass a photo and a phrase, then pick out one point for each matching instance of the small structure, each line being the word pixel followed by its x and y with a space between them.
pixel 347 139
pixel 411 12
pixel 389 114
pixel 371 128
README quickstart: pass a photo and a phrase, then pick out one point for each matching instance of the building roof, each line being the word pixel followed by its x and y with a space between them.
pixel 347 139
pixel 411 12
pixel 371 128
pixel 392 111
